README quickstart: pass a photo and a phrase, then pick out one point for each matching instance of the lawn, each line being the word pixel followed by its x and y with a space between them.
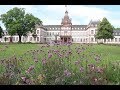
pixel 65 65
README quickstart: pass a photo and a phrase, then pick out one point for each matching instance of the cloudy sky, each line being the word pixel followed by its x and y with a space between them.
pixel 80 14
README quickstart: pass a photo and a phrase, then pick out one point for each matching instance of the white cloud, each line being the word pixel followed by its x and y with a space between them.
pixel 88 12
pixel 76 12
pixel 80 14
pixel 79 11
pixel 49 21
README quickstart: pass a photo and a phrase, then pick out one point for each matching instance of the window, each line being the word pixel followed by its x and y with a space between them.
pixel 108 40
pixel 115 39
pixel 84 40
pixel 92 39
pixel 37 31
pixel 13 38
pixel 81 40
pixel 119 39
pixel 37 38
pixel 6 39
pixel 91 31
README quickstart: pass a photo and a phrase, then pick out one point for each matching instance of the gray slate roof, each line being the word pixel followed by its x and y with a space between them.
pixel 116 32
pixel 57 27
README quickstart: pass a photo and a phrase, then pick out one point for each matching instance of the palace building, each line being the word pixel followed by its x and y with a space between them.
pixel 65 32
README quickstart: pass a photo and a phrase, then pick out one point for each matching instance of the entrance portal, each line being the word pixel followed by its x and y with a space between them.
pixel 65 39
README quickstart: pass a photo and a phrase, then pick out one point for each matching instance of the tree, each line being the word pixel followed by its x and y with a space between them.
pixel 18 22
pixel 105 30
pixel 1 32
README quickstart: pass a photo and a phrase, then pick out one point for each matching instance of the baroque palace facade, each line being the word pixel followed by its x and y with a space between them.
pixel 65 32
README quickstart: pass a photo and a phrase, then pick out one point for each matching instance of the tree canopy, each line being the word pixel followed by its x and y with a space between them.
pixel 1 32
pixel 18 22
pixel 104 30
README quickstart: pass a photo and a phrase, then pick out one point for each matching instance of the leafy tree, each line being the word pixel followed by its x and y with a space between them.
pixel 18 22
pixel 105 30
pixel 1 32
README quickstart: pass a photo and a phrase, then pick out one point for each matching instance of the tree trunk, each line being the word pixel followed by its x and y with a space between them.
pixel 19 39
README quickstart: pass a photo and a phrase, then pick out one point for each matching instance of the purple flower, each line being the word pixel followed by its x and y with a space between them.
pixel 81 69
pixel 70 52
pixel 97 58
pixel 23 78
pixel 35 60
pixel 67 73
pixel 30 69
pixel 77 62
pixel 44 61
pixel 49 55
pixel 60 55
pixel 91 67
pixel 99 70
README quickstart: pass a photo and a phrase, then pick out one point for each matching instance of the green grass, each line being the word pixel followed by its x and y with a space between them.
pixel 111 53
pixel 17 49
pixel 108 54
